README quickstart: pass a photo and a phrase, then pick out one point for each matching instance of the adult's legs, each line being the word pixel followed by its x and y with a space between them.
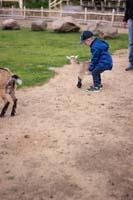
pixel 130 42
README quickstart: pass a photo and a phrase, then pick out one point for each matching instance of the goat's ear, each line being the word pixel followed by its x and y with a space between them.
pixel 68 57
pixel 76 56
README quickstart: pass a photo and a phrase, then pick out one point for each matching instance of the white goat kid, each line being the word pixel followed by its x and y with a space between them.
pixel 83 68
pixel 7 87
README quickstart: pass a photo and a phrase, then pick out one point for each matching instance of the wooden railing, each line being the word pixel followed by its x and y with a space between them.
pixel 42 13
pixel 53 4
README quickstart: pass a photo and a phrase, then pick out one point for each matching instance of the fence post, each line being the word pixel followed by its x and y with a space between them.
pixel 113 16
pixel 85 15
pixel 12 11
pixel 42 12
pixel 24 12
pixel 20 12
pixel 49 6
pixel 20 3
pixel 61 10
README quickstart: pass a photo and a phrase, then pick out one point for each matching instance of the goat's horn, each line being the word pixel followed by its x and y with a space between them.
pixel 68 57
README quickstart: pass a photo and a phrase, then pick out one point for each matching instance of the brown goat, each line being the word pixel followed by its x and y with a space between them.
pixel 7 87
pixel 82 68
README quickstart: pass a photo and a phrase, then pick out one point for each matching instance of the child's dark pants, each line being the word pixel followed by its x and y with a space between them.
pixel 96 74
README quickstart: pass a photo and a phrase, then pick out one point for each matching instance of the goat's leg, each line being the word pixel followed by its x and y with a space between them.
pixel 80 77
pixel 4 109
pixel 81 73
pixel 82 70
pixel 14 107
pixel 79 83
pixel 12 94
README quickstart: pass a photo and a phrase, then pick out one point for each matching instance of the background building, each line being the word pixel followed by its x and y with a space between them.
pixel 100 5
pixel 104 5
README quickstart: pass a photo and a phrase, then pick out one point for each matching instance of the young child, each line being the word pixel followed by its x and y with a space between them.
pixel 101 59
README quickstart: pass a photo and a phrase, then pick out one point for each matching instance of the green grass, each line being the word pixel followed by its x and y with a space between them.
pixel 30 54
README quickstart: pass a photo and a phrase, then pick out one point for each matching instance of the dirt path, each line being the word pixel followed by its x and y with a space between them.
pixel 66 144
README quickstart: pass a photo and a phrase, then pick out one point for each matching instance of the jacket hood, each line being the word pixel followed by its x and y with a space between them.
pixel 100 44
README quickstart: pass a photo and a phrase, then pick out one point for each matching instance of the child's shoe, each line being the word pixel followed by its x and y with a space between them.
pixel 100 86
pixel 93 89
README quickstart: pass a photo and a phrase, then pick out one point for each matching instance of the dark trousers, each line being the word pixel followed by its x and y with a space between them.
pixel 96 74
pixel 130 39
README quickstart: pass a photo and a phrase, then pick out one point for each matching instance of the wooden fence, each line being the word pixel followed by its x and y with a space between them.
pixel 42 13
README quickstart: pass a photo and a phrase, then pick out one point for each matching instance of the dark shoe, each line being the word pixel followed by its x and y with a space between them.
pixel 129 68
pixel 93 89
pixel 100 86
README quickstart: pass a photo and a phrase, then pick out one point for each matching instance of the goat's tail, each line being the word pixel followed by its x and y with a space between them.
pixel 17 79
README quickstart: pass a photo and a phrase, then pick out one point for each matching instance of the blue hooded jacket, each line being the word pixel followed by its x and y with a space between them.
pixel 101 57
